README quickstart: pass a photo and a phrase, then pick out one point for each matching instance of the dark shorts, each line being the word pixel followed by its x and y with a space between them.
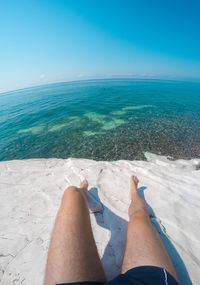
pixel 143 275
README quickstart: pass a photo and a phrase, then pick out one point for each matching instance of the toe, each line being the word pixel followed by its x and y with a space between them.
pixel 134 179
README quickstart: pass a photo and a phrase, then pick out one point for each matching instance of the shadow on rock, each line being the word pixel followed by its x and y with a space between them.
pixel 113 254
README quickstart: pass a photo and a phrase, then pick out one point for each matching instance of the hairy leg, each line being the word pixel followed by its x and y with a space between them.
pixel 73 255
pixel 143 245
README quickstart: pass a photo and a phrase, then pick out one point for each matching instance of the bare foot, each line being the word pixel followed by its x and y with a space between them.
pixel 137 203
pixel 84 184
pixel 133 186
pixel 84 188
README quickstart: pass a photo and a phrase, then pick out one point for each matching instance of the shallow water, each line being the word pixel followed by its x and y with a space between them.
pixel 102 120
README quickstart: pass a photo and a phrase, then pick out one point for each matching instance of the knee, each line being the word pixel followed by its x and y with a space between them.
pixel 71 190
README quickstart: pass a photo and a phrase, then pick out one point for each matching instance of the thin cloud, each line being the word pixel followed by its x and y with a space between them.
pixel 42 76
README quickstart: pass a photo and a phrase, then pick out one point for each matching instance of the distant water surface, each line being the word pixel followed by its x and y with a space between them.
pixel 101 120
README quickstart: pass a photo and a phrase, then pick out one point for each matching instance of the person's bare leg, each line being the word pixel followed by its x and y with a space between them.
pixel 143 245
pixel 73 255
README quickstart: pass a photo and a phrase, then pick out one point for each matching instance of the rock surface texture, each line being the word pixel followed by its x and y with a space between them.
pixel 31 191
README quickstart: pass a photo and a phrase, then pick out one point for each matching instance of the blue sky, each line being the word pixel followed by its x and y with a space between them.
pixel 59 40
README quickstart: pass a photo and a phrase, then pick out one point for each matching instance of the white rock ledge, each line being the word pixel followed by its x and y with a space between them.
pixel 30 194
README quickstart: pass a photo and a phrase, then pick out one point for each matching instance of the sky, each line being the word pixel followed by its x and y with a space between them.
pixel 50 41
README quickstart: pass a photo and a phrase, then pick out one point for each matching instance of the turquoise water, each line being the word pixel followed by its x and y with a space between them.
pixel 102 120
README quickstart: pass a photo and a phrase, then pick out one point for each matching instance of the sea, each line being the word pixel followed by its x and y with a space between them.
pixel 111 119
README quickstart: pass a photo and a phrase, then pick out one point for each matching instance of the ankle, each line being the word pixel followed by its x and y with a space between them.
pixel 139 214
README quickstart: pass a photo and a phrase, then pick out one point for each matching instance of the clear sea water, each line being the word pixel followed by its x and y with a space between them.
pixel 101 120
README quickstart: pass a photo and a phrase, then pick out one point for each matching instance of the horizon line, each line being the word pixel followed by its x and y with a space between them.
pixel 192 80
